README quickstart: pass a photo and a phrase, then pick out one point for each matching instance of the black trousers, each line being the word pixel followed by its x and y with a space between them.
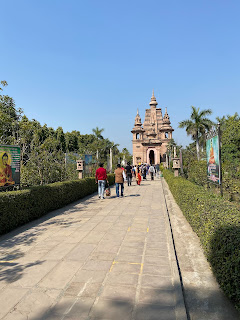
pixel 129 179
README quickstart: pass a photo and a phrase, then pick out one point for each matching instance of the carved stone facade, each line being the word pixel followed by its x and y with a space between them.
pixel 151 138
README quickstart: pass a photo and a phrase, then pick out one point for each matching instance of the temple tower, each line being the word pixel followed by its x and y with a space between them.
pixel 151 138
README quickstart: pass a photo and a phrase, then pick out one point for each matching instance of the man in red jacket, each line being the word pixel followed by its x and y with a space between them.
pixel 101 178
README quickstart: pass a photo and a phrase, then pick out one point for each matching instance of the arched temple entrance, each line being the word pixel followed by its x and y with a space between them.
pixel 151 157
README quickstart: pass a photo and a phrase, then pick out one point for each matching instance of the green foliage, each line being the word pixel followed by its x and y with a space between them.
pixel 20 207
pixel 43 148
pixel 197 126
pixel 197 172
pixel 217 223
pixel 230 137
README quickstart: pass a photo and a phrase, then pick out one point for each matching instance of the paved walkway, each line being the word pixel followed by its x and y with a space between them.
pixel 96 259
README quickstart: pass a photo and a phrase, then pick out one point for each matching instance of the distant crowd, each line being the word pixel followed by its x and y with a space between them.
pixel 122 175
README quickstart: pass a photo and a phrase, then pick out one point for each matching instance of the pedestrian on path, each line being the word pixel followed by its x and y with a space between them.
pixel 144 172
pixel 128 171
pixel 119 180
pixel 152 171
pixel 138 175
pixel 101 178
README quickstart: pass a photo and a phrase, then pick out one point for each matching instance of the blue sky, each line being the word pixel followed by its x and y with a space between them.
pixel 81 64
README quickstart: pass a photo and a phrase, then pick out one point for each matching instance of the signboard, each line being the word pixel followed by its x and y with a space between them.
pixel 213 159
pixel 88 159
pixel 9 165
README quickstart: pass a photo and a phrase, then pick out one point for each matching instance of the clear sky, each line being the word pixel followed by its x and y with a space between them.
pixel 81 63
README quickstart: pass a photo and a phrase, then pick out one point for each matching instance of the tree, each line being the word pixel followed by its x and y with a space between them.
pixel 9 119
pixel 230 137
pixel 61 139
pixel 98 133
pixel 197 125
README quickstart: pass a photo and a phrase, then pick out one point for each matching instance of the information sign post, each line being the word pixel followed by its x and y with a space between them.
pixel 213 150
pixel 9 166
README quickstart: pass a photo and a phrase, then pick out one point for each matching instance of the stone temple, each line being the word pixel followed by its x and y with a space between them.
pixel 151 138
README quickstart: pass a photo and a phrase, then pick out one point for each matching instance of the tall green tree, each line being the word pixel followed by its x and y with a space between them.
pixel 98 133
pixel 9 118
pixel 197 125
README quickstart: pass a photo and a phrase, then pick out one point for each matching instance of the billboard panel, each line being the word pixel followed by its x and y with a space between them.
pixel 213 168
pixel 88 159
pixel 9 165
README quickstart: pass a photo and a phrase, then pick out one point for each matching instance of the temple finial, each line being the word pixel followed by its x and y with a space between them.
pixel 137 111
pixel 153 93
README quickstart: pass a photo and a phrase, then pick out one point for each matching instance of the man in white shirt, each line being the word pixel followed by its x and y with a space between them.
pixel 152 171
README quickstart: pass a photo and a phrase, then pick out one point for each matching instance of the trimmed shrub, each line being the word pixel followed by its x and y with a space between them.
pixel 20 207
pixel 217 223
pixel 197 172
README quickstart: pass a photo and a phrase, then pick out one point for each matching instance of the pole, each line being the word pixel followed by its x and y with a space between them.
pixel 181 162
pixel 220 160
pixel 111 160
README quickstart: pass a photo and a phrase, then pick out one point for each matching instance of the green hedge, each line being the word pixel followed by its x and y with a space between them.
pixel 217 223
pixel 197 172
pixel 20 207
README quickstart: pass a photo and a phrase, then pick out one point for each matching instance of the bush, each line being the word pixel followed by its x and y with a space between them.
pixel 20 207
pixel 217 223
pixel 197 172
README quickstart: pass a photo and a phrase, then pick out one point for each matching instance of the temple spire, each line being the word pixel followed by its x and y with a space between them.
pixel 153 103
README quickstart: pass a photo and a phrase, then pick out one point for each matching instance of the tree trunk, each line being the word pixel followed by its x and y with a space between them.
pixel 197 147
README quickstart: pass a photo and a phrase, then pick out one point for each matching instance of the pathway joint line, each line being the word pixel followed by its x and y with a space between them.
pixel 114 262
pixel 76 300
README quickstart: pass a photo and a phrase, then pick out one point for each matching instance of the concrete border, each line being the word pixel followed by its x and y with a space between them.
pixel 180 308
pixel 204 298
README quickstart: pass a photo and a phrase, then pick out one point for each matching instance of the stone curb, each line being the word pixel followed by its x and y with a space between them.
pixel 180 309
pixel 204 298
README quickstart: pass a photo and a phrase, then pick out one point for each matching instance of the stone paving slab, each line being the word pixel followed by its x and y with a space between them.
pixel 94 259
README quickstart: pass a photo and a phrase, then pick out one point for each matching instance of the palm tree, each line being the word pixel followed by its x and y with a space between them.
pixel 198 125
pixel 98 133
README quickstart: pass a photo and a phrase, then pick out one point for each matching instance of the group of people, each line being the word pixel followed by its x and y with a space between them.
pixel 124 174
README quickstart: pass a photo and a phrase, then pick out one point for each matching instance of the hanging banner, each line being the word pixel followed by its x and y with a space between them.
pixel 9 165
pixel 213 159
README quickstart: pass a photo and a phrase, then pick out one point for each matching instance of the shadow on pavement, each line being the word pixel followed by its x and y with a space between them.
pixel 154 304
pixel 12 244
pixel 13 271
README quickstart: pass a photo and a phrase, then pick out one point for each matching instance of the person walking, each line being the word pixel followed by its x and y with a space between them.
pixel 119 180
pixel 144 172
pixel 138 175
pixel 101 178
pixel 152 171
pixel 128 171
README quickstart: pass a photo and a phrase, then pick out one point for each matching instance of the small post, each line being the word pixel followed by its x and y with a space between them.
pixel 220 160
pixel 176 166
pixel 80 168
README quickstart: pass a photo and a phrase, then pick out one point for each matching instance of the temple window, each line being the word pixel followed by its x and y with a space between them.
pixel 137 136
pixel 166 135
